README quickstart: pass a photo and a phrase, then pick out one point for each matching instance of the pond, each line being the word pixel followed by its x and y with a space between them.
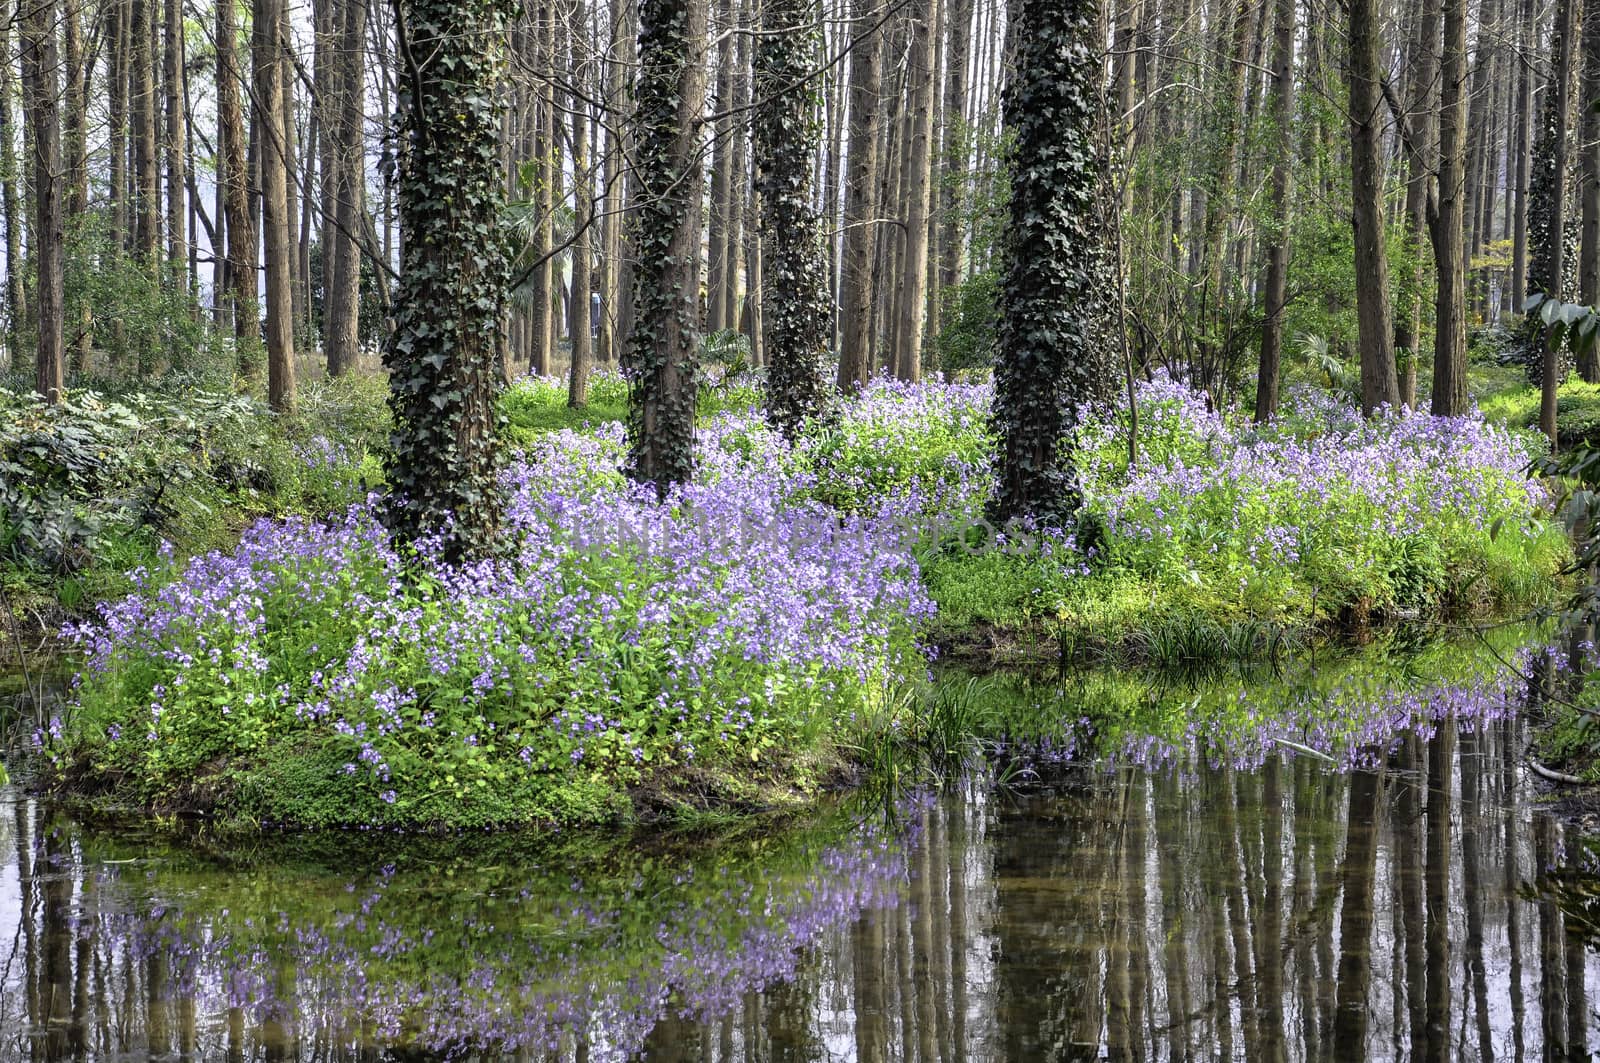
pixel 1426 909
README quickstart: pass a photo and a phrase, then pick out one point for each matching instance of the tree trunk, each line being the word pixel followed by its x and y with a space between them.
pixel 1421 75
pixel 1379 384
pixel 241 227
pixel 1277 288
pixel 271 25
pixel 1523 149
pixel 342 300
pixel 662 350
pixel 953 154
pixel 582 215
pixel 40 63
pixel 146 170
pixel 1450 303
pixel 786 135
pixel 721 201
pixel 541 290
pixel 860 200
pixel 919 129
pixel 16 312
pixel 1566 29
pixel 740 192
pixel 1052 356
pixel 444 372
pixel 1589 171
pixel 176 123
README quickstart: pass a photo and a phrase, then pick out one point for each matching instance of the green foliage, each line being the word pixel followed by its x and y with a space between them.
pixel 969 337
pixel 535 405
pixel 99 484
pixel 140 324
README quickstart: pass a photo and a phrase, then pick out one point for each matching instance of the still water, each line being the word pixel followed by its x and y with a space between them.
pixel 1426 909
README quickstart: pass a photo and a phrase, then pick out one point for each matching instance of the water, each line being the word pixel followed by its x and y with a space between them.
pixel 1431 909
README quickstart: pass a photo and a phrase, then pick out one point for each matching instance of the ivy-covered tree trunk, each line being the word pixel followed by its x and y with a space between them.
pixel 1052 356
pixel 786 135
pixel 443 370
pixel 662 350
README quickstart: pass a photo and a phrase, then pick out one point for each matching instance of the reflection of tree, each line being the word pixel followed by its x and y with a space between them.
pixel 1355 916
pixel 1126 915
pixel 1441 766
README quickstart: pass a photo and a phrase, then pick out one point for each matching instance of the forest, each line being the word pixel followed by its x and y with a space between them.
pixel 799 529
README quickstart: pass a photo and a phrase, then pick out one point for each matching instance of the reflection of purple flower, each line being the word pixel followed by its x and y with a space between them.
pixel 364 970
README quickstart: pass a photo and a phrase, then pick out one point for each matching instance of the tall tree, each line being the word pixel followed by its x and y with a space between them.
pixel 1589 184
pixel 1548 230
pixel 1052 358
pixel 346 155
pixel 723 189
pixel 1277 287
pixel 913 285
pixel 9 201
pixel 1379 384
pixel 146 164
pixel 176 122
pixel 579 296
pixel 41 89
pixel 1419 150
pixel 660 362
pixel 235 179
pixel 443 366
pixel 860 199
pixel 269 32
pixel 1447 225
pixel 786 136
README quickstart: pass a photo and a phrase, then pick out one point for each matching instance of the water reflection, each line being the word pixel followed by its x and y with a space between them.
pixel 1288 913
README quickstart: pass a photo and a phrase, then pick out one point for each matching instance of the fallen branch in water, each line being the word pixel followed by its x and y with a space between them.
pixel 1555 776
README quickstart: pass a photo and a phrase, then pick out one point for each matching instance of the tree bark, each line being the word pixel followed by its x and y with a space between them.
pixel 1450 302
pixel 786 136
pixel 271 24
pixel 241 226
pixel 860 200
pixel 444 370
pixel 1052 358
pixel 662 350
pixel 1277 287
pixel 16 312
pixel 1550 379
pixel 1420 151
pixel 919 129
pixel 718 272
pixel 1523 149
pixel 1589 171
pixel 173 130
pixel 1379 384
pixel 582 215
pixel 40 64
pixel 348 158
pixel 146 175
